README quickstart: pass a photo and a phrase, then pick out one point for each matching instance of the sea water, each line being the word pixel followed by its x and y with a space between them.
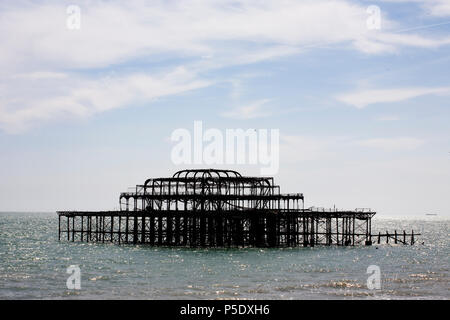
pixel 33 265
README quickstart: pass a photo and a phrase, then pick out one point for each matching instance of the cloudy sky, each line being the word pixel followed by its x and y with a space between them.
pixel 363 112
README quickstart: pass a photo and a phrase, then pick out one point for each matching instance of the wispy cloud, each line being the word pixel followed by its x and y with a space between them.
pixel 363 98
pixel 56 70
pixel 255 109
pixel 81 97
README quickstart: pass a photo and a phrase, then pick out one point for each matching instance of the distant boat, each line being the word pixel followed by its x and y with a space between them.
pixel 431 214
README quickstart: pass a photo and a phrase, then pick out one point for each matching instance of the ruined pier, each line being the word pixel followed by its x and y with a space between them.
pixel 219 208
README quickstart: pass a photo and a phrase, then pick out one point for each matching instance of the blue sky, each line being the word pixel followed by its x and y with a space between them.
pixel 363 114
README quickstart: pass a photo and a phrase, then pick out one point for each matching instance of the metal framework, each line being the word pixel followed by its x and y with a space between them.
pixel 217 208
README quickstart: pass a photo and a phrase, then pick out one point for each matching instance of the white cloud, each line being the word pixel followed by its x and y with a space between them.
pixel 41 75
pixel 82 97
pixel 38 49
pixel 390 42
pixel 253 110
pixel 363 98
pixel 439 7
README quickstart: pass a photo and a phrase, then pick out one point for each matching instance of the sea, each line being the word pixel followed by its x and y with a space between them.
pixel 35 265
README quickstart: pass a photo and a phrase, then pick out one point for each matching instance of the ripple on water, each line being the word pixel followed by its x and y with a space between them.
pixel 33 266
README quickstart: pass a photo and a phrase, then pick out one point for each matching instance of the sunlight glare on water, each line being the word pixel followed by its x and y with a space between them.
pixel 33 266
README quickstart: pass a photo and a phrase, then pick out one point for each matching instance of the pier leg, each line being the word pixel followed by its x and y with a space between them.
pixel 160 230
pixel 305 236
pixel 127 228
pixel 337 231
pixel 353 230
pixel 169 227
pixel 202 231
pixel 177 230
pixel 368 233
pixel 68 229
pixel 73 228
pixel 219 231
pixel 143 229
pixel 96 228
pixel 152 230
pixel 185 230
pixel 135 229
pixel 120 229
pixel 328 231
pixel 194 232
pixel 89 228
pixel 103 228
pixel 271 236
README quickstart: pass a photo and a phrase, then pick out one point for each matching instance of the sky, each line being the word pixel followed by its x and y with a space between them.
pixel 89 97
